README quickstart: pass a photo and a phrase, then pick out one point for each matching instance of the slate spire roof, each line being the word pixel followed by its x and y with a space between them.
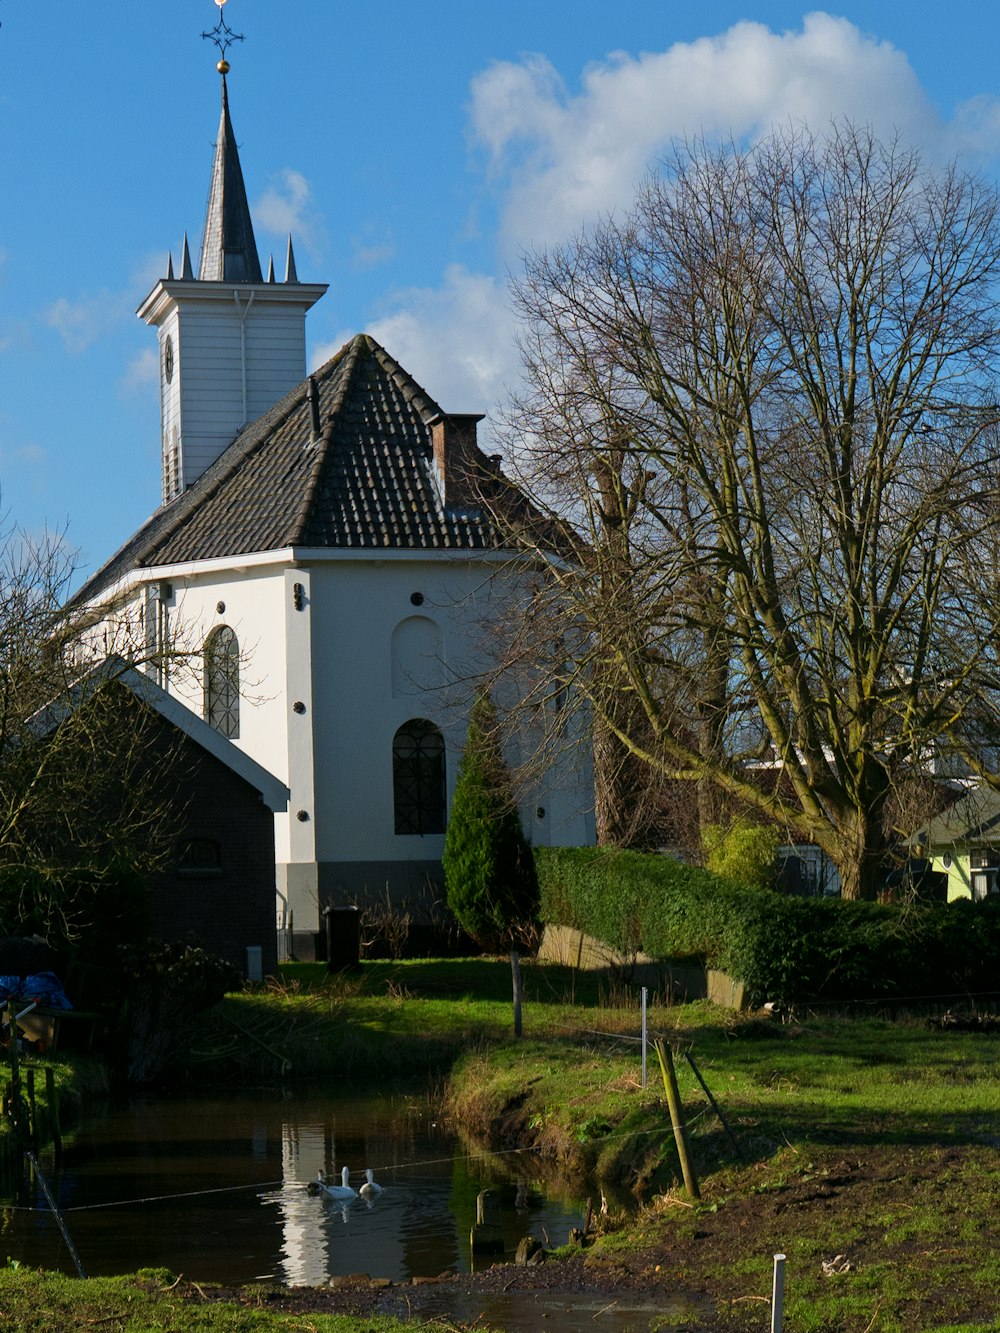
pixel 228 248
pixel 345 460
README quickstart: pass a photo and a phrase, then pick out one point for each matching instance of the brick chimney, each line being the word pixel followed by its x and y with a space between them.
pixel 456 457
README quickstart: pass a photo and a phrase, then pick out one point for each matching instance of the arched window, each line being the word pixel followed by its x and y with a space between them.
pixel 418 787
pixel 222 682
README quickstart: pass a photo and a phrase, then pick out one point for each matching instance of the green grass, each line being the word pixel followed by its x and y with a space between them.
pixel 151 1299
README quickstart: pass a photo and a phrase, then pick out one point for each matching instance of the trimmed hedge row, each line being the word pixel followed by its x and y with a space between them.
pixel 784 949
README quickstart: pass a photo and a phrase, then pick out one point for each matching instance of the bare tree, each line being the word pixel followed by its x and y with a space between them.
pixel 763 406
pixel 89 787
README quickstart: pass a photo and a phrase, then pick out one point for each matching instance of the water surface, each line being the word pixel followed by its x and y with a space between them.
pixel 215 1188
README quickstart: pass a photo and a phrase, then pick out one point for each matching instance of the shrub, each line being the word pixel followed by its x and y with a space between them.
pixel 489 874
pixel 741 851
pixel 167 985
pixel 785 949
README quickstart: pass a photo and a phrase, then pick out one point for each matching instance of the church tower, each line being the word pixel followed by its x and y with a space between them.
pixel 232 343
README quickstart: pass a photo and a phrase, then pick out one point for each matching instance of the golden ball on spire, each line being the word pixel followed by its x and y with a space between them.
pixel 223 67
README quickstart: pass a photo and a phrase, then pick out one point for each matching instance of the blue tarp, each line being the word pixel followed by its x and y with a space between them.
pixel 43 987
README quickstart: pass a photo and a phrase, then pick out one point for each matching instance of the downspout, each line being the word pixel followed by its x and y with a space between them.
pixel 243 311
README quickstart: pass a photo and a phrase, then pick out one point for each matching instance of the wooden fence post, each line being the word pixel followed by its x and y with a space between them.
pixel 515 968
pixel 677 1117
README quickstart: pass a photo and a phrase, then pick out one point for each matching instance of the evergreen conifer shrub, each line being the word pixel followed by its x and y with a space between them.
pixel 489 872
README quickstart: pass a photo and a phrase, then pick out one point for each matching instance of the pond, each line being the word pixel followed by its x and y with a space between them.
pixel 215 1188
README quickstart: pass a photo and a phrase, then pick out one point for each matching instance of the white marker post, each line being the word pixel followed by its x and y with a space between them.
pixel 778 1294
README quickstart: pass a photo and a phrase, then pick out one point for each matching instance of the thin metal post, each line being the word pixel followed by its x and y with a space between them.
pixel 715 1106
pixel 56 1213
pixel 778 1294
pixel 644 993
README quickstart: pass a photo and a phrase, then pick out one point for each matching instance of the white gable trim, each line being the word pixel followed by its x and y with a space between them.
pixel 273 793
pixel 301 555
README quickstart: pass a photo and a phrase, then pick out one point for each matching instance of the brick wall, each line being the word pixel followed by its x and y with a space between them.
pixel 232 904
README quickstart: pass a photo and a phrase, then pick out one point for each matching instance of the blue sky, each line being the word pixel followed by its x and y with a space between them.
pixel 415 149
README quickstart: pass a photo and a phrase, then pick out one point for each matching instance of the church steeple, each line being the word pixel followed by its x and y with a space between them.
pixel 228 248
pixel 231 344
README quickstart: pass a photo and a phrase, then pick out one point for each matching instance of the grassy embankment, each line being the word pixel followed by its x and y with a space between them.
pixel 867 1139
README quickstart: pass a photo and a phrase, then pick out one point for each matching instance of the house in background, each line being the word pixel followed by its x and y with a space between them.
pixel 324 548
pixel 963 842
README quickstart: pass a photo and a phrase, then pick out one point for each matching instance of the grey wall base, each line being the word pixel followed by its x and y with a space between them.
pixel 681 979
pixel 304 889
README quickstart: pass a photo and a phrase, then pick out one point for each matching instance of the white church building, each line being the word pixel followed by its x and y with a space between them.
pixel 323 550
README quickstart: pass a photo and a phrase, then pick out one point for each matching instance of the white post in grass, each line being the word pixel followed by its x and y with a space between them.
pixel 644 1036
pixel 778 1294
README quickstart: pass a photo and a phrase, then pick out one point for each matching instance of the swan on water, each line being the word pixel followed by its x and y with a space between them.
pixel 343 1190
pixel 370 1190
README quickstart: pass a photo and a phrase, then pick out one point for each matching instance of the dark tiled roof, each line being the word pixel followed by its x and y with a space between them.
pixel 369 481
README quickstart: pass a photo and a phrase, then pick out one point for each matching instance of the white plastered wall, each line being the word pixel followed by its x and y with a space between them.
pixel 335 657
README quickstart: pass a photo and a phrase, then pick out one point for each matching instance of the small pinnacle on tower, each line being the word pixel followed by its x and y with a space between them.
pixel 290 274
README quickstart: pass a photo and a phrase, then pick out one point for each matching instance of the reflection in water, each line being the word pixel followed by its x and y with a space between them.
pixel 216 1189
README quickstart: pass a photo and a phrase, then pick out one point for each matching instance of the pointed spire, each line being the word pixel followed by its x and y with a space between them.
pixel 187 272
pixel 270 269
pixel 290 273
pixel 170 267
pixel 228 248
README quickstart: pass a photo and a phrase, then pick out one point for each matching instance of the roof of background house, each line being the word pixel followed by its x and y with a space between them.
pixel 975 817
pixel 368 481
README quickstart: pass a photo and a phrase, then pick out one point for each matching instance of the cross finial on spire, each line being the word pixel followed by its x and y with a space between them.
pixel 223 37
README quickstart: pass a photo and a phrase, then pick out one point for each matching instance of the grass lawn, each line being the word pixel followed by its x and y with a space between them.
pixel 152 1299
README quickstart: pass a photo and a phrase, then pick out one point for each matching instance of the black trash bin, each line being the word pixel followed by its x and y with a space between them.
pixel 343 937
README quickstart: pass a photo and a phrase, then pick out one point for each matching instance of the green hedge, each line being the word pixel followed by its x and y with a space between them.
pixel 784 949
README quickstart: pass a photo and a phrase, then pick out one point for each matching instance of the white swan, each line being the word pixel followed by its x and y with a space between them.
pixel 370 1190
pixel 342 1191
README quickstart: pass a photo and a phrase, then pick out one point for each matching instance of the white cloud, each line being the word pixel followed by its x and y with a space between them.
pixel 286 208
pixel 80 323
pixel 557 160
pixel 142 371
pixel 26 453
pixel 562 159
pixel 371 249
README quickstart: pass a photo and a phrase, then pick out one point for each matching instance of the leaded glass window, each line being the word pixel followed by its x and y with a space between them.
pixel 222 682
pixel 418 778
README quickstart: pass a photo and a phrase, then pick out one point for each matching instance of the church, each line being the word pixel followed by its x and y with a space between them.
pixel 322 583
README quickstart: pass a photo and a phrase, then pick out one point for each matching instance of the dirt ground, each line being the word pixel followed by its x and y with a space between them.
pixel 849 1207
